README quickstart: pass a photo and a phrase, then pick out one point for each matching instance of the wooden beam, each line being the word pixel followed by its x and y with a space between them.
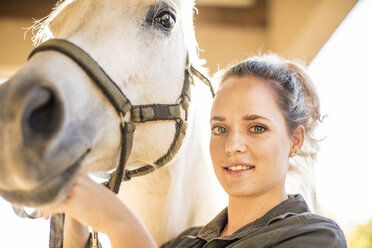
pixel 26 8
pixel 316 32
pixel 252 16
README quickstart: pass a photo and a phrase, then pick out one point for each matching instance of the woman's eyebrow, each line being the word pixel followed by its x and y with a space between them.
pixel 244 118
pixel 217 118
pixel 253 117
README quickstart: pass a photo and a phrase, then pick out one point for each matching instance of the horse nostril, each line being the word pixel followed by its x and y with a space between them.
pixel 42 115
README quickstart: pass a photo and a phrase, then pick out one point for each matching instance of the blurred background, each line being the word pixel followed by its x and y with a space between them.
pixel 333 37
pixel 226 30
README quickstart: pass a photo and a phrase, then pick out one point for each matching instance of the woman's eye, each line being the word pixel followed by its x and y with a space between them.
pixel 165 19
pixel 218 130
pixel 258 129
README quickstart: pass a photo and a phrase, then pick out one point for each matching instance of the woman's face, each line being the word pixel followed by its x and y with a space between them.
pixel 250 144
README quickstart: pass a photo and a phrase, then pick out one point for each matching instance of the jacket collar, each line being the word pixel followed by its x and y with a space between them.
pixel 295 204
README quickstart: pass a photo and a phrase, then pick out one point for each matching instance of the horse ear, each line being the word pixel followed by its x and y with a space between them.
pixel 64 16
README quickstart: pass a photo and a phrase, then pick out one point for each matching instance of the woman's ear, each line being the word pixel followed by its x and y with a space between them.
pixel 298 137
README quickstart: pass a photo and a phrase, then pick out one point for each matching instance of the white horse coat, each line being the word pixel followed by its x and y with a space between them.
pixel 142 46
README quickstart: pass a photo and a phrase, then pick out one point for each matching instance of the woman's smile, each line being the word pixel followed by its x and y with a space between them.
pixel 238 168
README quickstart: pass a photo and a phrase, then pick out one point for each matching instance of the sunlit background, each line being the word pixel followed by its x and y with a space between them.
pixel 340 66
pixel 342 73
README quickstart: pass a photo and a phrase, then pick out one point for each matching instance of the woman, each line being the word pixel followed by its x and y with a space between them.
pixel 263 114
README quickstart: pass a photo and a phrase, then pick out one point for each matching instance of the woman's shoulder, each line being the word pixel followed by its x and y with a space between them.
pixel 308 221
pixel 295 230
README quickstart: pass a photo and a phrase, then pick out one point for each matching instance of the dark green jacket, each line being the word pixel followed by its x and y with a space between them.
pixel 289 225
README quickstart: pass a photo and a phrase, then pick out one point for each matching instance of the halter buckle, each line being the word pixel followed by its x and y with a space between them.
pixel 124 118
pixel 95 243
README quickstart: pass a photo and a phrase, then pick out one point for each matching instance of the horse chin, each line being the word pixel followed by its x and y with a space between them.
pixel 49 191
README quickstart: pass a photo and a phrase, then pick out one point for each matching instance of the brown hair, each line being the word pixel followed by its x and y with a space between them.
pixel 299 102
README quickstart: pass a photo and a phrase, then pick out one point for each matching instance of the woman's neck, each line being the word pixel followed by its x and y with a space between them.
pixel 244 210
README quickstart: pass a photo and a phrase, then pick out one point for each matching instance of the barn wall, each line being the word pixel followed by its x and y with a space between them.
pixel 293 28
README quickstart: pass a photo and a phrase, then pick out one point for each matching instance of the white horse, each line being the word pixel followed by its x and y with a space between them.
pixel 52 116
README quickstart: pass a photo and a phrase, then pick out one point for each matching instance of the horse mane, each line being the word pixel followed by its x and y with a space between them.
pixel 40 28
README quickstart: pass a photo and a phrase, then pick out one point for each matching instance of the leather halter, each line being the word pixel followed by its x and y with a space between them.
pixel 138 113
pixel 176 112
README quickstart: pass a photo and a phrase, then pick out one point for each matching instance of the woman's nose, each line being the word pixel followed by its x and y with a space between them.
pixel 235 143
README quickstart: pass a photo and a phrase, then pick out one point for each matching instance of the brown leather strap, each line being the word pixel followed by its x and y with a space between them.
pixel 91 67
pixel 202 78
pixel 181 127
pixel 156 112
pixel 127 132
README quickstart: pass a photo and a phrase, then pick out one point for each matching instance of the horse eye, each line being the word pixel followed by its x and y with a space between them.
pixel 165 19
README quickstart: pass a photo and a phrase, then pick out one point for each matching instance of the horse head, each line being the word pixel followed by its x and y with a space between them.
pixel 55 123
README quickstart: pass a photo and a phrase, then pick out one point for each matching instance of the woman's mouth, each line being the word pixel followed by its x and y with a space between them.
pixel 239 167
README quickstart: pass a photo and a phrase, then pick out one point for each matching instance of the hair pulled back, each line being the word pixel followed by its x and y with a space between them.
pixel 299 102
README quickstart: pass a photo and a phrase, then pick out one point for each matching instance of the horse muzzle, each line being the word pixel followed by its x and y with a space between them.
pixel 31 118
